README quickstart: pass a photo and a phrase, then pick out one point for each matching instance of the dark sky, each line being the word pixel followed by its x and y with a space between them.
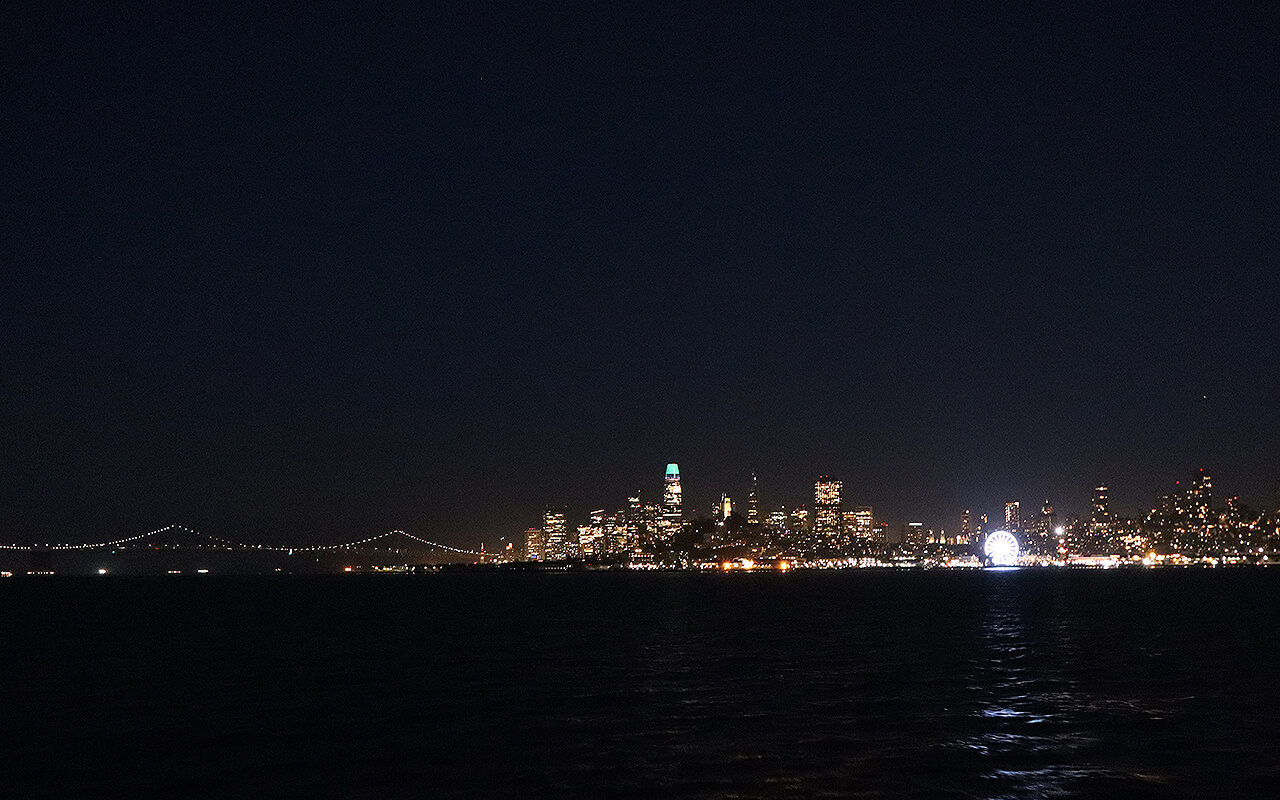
pixel 308 273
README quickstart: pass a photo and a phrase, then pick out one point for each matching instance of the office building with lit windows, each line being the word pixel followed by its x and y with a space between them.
pixel 1101 513
pixel 534 544
pixel 1012 515
pixel 1200 498
pixel 863 524
pixel 672 503
pixel 827 532
pixel 556 535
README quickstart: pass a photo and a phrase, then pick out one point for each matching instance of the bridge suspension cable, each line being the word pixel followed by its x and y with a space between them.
pixel 230 543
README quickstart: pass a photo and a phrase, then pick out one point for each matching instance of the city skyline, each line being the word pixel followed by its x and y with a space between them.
pixel 1191 525
pixel 831 522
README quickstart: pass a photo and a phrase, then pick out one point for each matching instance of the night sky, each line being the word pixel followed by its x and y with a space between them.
pixel 307 274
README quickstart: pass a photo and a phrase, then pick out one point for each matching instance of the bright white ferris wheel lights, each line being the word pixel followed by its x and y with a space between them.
pixel 1001 549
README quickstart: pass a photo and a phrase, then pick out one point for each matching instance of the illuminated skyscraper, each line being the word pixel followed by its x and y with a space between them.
pixel 753 503
pixel 534 544
pixel 593 539
pixel 1101 507
pixel 631 524
pixel 798 521
pixel 556 535
pixel 1200 497
pixel 863 523
pixel 1012 516
pixel 826 513
pixel 966 532
pixel 726 506
pixel 672 503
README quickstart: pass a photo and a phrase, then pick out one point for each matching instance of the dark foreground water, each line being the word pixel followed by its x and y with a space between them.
pixel 850 684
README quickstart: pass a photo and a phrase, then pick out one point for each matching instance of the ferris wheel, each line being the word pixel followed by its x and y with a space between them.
pixel 1001 549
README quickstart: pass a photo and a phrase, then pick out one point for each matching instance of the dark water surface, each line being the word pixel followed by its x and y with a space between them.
pixel 849 684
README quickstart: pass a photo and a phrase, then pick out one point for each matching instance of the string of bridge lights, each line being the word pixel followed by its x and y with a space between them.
pixel 111 543
pixel 242 545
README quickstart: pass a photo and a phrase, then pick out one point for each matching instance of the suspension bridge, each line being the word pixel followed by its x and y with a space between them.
pixel 131 553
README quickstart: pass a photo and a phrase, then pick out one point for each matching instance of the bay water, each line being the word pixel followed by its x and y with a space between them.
pixel 861 683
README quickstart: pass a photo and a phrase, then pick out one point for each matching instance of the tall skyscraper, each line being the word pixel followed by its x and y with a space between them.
pixel 556 541
pixel 1101 507
pixel 966 531
pixel 1200 496
pixel 753 503
pixel 826 512
pixel 1042 529
pixel 863 523
pixel 593 538
pixel 672 503
pixel 534 544
pixel 1012 516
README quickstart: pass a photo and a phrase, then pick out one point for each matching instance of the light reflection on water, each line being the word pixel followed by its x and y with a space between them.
pixel 1040 724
